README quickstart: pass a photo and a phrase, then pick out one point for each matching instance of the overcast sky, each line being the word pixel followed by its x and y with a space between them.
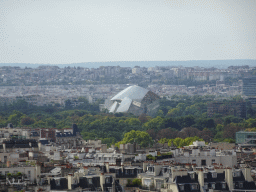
pixel 72 31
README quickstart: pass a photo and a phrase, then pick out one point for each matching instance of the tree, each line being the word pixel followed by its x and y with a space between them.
pixel 140 137
pixel 206 135
pixel 68 104
pixel 230 130
pixel 151 133
pixel 76 157
pixel 156 123
pixel 50 122
pixel 27 121
pixel 14 118
pixel 163 140
pixel 168 133
pixel 143 118
pixel 188 132
pixel 178 142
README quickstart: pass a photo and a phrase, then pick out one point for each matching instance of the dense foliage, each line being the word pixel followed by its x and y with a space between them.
pixel 182 117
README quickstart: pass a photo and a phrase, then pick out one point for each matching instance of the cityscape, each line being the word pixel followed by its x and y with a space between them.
pixel 128 96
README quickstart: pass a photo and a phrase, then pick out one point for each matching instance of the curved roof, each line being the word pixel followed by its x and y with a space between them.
pixel 113 107
pixel 124 106
pixel 133 92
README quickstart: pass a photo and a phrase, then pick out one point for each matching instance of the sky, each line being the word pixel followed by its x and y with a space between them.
pixel 73 31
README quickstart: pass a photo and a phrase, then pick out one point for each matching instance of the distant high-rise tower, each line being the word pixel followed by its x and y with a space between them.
pixel 249 86
pixel 75 129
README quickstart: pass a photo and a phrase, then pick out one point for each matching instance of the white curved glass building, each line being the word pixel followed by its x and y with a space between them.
pixel 136 100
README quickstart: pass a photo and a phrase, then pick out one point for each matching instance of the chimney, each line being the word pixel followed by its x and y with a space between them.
pixel 70 178
pixel 4 147
pixel 107 167
pixel 201 179
pixel 247 174
pixel 229 178
pixel 39 145
pixel 8 163
pixel 102 181
pixel 144 166
pixel 113 185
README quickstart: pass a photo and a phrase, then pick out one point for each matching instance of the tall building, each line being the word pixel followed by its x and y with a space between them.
pixel 236 108
pixel 249 86
pixel 244 137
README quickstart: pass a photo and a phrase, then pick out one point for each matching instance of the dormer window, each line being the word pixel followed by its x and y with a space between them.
pixel 205 175
pixel 90 181
pixel 213 185
pixel 241 185
pixel 132 171
pixel 150 169
pixel 223 185
pixel 206 186
pixel 57 182
pixel 214 175
pixel 236 174
pixel 194 187
pixel 181 187
pixel 192 175
pixel 107 179
pixel 164 170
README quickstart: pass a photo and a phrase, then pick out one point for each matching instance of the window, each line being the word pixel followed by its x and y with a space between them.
pixel 117 171
pixel 132 172
pixel 57 182
pixel 193 161
pixel 236 174
pixel 205 175
pixel 241 185
pixel 181 187
pixel 203 162
pixel 150 169
pixel 126 172
pixel 90 181
pixel 194 186
pixel 213 185
pixel 213 161
pixel 214 175
pixel 192 175
pixel 223 185
pixel 206 186
pixel 107 179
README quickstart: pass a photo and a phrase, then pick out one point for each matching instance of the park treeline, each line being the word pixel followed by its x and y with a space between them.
pixel 180 117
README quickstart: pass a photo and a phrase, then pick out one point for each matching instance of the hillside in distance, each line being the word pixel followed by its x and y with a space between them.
pixel 192 63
